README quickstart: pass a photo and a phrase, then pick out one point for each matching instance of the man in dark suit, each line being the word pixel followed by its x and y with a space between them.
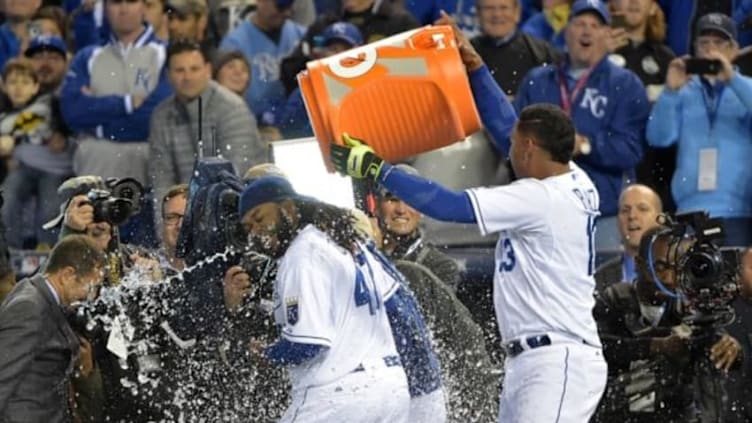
pixel 38 349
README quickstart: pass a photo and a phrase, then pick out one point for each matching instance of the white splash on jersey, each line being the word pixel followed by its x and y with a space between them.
pixel 543 280
pixel 324 299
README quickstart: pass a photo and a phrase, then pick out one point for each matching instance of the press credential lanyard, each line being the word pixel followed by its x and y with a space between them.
pixel 712 98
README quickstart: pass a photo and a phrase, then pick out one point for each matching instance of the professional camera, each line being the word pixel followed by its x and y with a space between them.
pixel 707 274
pixel 116 204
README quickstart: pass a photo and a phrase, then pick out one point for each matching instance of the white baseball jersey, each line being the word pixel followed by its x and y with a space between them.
pixel 544 257
pixel 323 299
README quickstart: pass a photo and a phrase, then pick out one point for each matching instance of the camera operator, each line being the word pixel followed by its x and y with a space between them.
pixel 652 359
pixel 222 300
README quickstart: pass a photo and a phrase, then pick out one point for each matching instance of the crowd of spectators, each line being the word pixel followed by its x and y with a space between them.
pixel 102 68
pixel 142 88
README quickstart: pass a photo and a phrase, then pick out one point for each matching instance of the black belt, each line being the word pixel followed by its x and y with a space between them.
pixel 389 361
pixel 515 348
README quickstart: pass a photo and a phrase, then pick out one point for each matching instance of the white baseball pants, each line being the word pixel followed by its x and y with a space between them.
pixel 429 408
pixel 364 396
pixel 559 383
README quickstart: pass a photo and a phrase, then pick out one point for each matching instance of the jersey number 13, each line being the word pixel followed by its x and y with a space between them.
pixel 508 261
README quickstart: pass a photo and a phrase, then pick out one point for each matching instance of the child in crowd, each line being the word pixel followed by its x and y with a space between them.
pixel 39 158
pixel 232 71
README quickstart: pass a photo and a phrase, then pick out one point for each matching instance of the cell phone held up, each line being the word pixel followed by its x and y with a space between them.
pixel 702 66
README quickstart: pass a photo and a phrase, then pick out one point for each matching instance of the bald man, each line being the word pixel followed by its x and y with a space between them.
pixel 639 208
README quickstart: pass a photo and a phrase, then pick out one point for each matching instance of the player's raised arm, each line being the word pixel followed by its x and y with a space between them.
pixel 541 148
pixel 358 160
pixel 496 112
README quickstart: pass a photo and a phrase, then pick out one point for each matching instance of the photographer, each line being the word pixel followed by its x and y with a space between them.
pixel 706 110
pixel 94 208
pixel 78 216
pixel 654 360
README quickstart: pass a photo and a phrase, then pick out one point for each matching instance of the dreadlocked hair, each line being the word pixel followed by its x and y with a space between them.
pixel 336 222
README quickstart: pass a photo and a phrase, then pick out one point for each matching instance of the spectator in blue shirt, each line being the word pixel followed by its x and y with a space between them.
pixel 709 117
pixel 266 37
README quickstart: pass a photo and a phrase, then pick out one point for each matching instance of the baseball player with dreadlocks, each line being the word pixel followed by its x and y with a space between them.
pixel 335 340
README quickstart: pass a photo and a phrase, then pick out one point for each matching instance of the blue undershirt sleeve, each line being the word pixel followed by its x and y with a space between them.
pixel 284 352
pixel 427 196
pixel 496 112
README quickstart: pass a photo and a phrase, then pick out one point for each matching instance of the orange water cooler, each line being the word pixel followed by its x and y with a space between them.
pixel 404 95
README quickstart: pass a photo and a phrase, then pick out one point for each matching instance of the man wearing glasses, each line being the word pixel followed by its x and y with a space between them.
pixel 173 210
pixel 708 116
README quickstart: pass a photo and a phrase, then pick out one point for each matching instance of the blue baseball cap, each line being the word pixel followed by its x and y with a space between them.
pixel 716 22
pixel 284 4
pixel 267 189
pixel 342 31
pixel 593 6
pixel 46 42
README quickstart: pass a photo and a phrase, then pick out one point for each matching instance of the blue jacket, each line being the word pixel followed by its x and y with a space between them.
pixel 538 26
pixel 611 111
pixel 742 11
pixel 86 30
pixel 679 14
pixel 682 117
pixel 324 7
pixel 294 122
pixel 427 11
pixel 9 45
pixel 109 113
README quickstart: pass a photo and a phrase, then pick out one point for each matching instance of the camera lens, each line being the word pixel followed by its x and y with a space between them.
pixel 116 210
pixel 700 266
pixel 703 268
pixel 127 192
